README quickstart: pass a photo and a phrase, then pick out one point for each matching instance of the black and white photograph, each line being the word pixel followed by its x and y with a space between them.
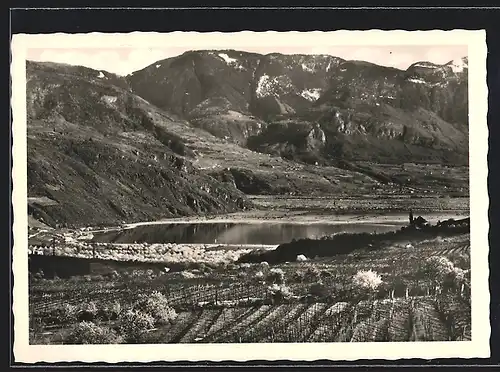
pixel 292 192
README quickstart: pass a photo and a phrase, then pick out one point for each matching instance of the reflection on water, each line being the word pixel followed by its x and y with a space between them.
pixel 235 233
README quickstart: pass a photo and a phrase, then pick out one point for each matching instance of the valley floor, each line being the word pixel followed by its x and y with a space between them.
pixel 321 210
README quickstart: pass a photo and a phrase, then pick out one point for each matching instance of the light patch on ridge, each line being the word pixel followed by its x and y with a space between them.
pixel 101 75
pixel 226 58
pixel 307 68
pixel 416 81
pixel 261 86
pixel 425 64
pixel 458 65
pixel 267 86
pixel 109 99
pixel 231 61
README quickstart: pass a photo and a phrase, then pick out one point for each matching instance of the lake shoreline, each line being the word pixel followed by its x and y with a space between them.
pixel 300 218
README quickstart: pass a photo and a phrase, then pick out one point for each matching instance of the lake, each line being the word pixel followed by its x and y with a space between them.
pixel 264 233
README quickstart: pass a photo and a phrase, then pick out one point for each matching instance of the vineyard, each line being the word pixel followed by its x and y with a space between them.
pixel 405 292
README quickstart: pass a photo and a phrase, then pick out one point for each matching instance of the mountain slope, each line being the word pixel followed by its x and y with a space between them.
pixel 289 84
pixel 364 111
pixel 94 153
pixel 210 89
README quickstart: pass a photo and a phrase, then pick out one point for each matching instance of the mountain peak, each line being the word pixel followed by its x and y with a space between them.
pixel 459 64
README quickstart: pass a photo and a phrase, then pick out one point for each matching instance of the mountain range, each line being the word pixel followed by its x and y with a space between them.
pixel 357 110
pixel 196 132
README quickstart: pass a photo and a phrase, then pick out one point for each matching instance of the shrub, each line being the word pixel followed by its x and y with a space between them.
pixel 259 275
pixel 88 312
pixel 367 279
pixel 279 291
pixel 245 265
pixel 156 305
pixel 298 276
pixel 137 274
pixel 150 274
pixel 91 333
pixel 462 261
pixel 110 312
pixel 312 274
pixel 204 268
pixel 444 270
pixel 116 308
pixel 66 313
pixel 326 274
pixel 91 307
pixel 301 258
pixel 113 275
pixel 276 276
pixel 39 274
pixel 133 324
pixel 439 266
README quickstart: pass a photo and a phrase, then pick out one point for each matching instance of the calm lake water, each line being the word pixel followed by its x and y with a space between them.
pixel 266 233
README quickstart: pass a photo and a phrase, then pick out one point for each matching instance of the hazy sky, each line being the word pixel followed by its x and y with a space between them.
pixel 124 60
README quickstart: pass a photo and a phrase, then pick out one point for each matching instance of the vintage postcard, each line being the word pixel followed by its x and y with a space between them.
pixel 250 196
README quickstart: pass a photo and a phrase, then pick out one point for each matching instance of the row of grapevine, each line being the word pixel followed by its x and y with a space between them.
pixel 399 320
pixel 233 335
pixel 227 319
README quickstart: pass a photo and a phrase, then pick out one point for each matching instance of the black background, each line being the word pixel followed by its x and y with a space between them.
pixel 83 20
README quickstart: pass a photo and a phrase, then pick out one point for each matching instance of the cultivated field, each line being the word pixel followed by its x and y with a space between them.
pixel 415 291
